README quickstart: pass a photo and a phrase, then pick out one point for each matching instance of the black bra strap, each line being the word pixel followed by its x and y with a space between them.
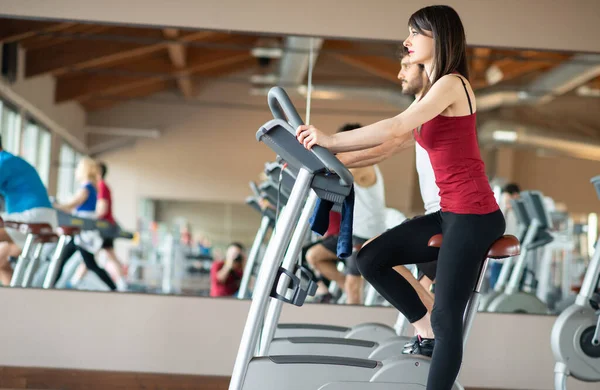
pixel 467 92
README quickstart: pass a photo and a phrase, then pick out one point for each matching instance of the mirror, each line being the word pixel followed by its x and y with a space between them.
pixel 172 113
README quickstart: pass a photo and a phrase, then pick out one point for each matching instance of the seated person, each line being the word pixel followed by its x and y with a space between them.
pixel 321 257
pixel 26 200
pixel 369 221
pixel 226 275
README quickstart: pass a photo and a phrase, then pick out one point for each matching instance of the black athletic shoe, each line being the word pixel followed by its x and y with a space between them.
pixel 324 298
pixel 421 346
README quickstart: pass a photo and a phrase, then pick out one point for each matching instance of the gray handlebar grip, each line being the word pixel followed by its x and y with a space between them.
pixel 282 108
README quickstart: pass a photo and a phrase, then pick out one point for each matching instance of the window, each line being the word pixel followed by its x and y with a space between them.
pixel 45 152
pixel 36 148
pixel 10 127
pixel 68 160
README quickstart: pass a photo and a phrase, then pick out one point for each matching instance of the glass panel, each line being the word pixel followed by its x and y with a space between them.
pixel 10 125
pixel 29 145
pixel 66 170
pixel 45 151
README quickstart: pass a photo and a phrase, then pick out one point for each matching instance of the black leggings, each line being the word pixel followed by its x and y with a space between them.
pixel 466 240
pixel 90 263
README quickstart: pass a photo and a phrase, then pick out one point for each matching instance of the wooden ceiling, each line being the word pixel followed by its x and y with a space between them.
pixel 101 65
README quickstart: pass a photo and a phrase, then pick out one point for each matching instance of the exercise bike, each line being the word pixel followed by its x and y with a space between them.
pixel 575 337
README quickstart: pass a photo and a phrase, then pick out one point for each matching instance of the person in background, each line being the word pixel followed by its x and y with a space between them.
pixel 369 219
pixel 204 246
pixel 322 258
pixel 26 200
pixel 104 212
pixel 226 275
pixel 83 204
pixel 510 192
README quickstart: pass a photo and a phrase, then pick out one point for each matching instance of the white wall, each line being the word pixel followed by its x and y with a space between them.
pixel 186 335
pixel 221 222
pixel 543 24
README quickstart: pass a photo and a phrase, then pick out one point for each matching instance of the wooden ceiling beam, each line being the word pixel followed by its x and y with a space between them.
pixel 82 86
pixel 528 61
pixel 101 103
pixel 15 29
pixel 84 54
pixel 42 41
pixel 480 61
pixel 376 65
pixel 177 54
pixel 154 86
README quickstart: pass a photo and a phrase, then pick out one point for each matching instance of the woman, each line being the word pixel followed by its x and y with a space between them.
pixel 443 122
pixel 83 204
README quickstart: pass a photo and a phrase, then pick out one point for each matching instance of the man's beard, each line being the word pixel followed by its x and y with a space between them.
pixel 408 89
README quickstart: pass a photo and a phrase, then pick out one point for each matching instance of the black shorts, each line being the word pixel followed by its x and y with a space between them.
pixel 351 266
pixel 108 243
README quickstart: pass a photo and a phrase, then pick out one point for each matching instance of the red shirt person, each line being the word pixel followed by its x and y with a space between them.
pixel 105 195
pixel 226 275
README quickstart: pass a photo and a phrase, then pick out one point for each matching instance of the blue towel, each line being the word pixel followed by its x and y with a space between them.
pixel 319 222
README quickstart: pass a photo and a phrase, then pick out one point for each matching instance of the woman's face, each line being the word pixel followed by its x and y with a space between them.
pixel 420 47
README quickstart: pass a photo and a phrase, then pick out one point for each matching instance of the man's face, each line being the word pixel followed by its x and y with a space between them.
pixel 411 76
pixel 233 252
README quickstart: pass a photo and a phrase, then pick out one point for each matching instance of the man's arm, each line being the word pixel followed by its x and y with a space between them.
pixel 375 155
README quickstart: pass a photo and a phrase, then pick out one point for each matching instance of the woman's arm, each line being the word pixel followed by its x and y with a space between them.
pixel 80 196
pixel 441 95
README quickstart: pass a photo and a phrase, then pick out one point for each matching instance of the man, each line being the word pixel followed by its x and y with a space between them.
pixel 414 80
pixel 26 200
pixel 510 192
pixel 369 222
pixel 226 275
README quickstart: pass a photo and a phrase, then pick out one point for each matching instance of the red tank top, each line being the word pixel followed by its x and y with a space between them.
pixel 451 143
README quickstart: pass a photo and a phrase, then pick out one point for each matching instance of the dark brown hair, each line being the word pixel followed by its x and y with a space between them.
pixel 448 36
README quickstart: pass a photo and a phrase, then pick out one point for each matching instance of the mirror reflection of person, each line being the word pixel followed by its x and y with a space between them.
pixel 83 204
pixel 104 207
pixel 226 275
pixel 510 192
pixel 26 200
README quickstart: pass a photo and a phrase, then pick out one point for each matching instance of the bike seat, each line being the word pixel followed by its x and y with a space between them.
pixel 46 238
pixel 506 246
pixel 36 228
pixel 12 224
